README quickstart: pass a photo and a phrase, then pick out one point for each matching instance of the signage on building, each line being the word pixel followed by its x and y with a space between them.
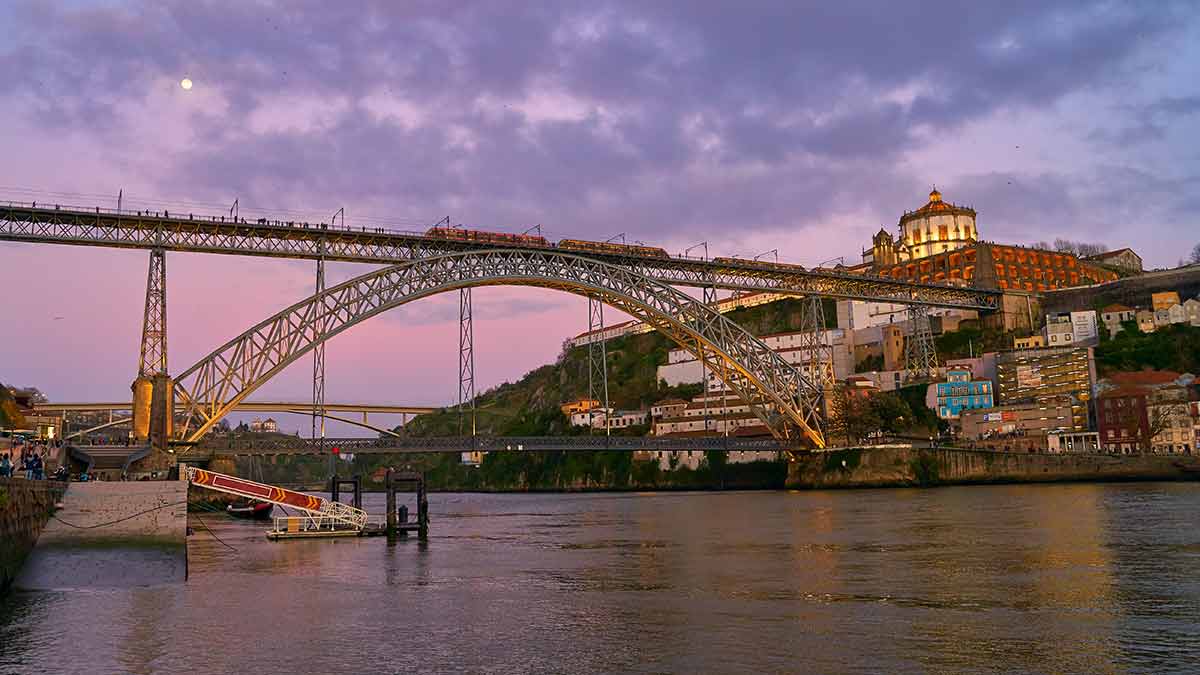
pixel 1029 376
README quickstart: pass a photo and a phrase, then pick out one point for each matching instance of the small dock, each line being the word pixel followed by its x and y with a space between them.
pixel 395 522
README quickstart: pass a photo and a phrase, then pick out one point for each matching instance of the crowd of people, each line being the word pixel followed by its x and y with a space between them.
pixel 28 461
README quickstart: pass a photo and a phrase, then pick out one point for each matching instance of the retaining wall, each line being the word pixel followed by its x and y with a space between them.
pixel 895 467
pixel 25 506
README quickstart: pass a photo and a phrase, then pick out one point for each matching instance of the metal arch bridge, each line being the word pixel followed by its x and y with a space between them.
pixel 125 229
pixel 775 390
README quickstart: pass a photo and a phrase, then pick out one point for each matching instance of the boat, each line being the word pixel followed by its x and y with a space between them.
pixel 250 509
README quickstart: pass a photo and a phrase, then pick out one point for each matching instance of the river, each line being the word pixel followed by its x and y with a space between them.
pixel 1045 578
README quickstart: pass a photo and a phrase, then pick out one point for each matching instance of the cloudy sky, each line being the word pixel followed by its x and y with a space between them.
pixel 749 125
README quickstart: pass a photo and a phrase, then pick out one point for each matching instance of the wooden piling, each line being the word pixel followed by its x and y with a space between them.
pixel 390 487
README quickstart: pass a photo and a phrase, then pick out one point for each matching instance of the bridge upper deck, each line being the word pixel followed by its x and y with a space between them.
pixel 263 237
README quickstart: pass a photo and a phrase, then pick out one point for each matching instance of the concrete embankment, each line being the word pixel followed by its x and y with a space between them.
pixel 112 535
pixel 896 467
pixel 25 506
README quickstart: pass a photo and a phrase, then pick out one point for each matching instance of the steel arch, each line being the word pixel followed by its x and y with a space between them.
pixel 777 392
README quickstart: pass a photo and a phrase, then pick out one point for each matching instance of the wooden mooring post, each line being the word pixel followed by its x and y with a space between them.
pixel 354 483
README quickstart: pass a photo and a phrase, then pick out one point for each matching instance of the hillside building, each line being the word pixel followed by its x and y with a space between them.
pixel 1163 300
pixel 960 392
pixel 1071 329
pixel 1031 420
pixel 683 367
pixel 1039 375
pixel 1114 315
pixel 1124 259
pixel 939 242
pixel 1031 342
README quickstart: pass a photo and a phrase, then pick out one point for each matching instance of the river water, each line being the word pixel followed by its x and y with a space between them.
pixel 1049 578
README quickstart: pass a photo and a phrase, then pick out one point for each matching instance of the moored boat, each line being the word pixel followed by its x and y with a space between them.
pixel 250 509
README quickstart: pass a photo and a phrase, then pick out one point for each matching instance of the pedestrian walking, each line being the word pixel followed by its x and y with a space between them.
pixel 6 466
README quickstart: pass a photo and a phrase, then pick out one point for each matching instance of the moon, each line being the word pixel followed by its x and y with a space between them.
pixel 186 84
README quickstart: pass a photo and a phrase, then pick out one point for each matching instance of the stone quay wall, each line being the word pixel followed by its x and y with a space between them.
pixel 903 467
pixel 25 506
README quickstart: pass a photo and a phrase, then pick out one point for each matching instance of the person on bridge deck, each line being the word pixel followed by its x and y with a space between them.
pixel 6 466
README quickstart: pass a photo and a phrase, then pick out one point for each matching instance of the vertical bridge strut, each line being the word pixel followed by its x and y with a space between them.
pixel 920 356
pixel 318 392
pixel 153 390
pixel 597 364
pixel 153 358
pixel 466 362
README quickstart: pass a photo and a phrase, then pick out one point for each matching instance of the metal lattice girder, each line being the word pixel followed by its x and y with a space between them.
pixel 817 350
pixel 775 390
pixel 597 376
pixel 153 358
pixel 85 227
pixel 466 360
pixel 318 398
pixel 920 356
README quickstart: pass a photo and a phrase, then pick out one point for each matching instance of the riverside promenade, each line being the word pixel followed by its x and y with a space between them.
pixel 117 534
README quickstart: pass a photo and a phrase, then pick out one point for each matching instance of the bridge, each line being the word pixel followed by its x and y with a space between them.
pixel 641 281
pixel 326 412
pixel 250 406
pixel 236 446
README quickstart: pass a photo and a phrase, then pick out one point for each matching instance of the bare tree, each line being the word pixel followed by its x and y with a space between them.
pixel 1195 257
pixel 1064 246
pixel 1082 249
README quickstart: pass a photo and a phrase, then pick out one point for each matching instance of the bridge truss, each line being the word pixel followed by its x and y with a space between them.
pixel 775 390
pixel 122 229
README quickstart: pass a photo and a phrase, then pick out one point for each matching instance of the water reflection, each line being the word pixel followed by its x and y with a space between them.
pixel 1022 578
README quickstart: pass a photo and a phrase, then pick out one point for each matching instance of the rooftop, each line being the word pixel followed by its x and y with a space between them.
pixel 936 206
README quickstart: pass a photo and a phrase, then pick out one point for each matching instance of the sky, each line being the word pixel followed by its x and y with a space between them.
pixel 797 126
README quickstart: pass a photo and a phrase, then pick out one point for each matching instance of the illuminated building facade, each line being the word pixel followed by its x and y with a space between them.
pixel 939 243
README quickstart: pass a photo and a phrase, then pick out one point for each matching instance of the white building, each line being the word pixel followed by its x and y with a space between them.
pixel 1072 329
pixel 670 407
pixel 693 459
pixel 855 315
pixel 268 425
pixel 635 327
pixel 683 367
pixel 1191 308
pixel 619 419
pixel 1059 442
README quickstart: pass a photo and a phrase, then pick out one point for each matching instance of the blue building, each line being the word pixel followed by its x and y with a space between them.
pixel 959 392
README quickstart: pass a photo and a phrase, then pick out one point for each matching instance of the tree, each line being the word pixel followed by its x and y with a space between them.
pixel 851 417
pixel 1195 257
pixel 1081 249
pixel 9 415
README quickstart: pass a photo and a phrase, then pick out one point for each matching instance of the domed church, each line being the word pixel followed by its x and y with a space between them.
pixel 937 227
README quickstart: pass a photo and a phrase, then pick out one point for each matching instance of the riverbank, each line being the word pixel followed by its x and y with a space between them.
pixel 908 467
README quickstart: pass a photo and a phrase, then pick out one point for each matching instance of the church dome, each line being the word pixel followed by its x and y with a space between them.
pixel 936 206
